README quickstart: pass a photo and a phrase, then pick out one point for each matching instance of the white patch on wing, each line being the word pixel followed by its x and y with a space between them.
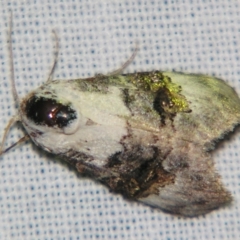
pixel 106 111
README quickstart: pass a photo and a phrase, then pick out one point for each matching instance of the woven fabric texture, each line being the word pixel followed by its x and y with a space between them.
pixel 42 198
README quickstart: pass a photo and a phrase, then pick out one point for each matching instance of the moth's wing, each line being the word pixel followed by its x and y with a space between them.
pixel 196 189
pixel 182 181
pixel 215 108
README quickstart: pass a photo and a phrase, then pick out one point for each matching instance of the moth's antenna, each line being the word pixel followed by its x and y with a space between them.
pixel 23 139
pixel 56 40
pixel 127 63
pixel 15 118
pixel 12 74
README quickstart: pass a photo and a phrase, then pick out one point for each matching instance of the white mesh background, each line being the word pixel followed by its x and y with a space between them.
pixel 41 198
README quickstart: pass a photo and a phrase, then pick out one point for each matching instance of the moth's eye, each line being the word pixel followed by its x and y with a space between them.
pixel 44 111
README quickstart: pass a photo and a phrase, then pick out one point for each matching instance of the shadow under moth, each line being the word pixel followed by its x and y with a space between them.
pixel 147 136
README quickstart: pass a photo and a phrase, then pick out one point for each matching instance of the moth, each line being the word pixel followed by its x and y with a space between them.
pixel 147 135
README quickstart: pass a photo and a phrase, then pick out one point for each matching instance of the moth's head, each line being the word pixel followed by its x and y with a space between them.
pixel 49 116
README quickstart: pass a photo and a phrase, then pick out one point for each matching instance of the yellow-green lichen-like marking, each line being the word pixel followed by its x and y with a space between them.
pixel 169 100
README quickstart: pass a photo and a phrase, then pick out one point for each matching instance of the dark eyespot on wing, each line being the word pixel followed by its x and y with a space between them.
pixel 44 111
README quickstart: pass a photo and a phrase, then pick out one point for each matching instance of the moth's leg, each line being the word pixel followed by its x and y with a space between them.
pixel 123 67
pixel 126 64
pixel 56 40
